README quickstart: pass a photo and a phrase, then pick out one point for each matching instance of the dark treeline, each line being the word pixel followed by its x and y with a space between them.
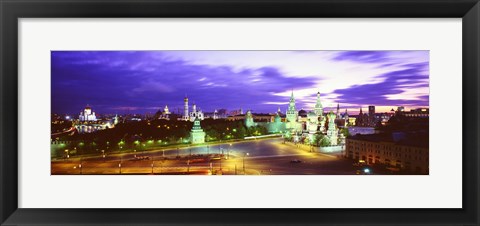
pixel 143 135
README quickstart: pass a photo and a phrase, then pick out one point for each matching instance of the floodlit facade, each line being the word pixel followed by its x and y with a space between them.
pixel 88 123
pixel 87 115
pixel 197 135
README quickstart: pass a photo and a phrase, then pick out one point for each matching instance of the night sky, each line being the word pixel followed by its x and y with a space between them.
pixel 145 81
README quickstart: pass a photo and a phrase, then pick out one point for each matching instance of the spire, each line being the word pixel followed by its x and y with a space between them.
pixel 318 105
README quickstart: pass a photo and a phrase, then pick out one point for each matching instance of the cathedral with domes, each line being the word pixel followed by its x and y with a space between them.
pixel 307 125
pixel 88 122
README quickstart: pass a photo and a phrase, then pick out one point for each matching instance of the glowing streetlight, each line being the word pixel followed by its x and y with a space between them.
pixel 152 165
pixel 66 154
pixel 244 155
pixel 120 165
pixel 103 155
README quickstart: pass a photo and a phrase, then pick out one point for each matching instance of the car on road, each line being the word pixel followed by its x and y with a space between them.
pixel 138 158
pixel 296 161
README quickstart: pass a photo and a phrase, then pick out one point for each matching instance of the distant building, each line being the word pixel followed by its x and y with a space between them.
pixel 186 116
pixel 416 113
pixel 87 115
pixel 382 118
pixel 88 123
pixel 194 114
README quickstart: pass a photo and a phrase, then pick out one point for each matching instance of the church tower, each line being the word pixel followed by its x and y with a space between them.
pixel 292 113
pixel 318 106
pixel 332 132
pixel 338 111
pixel 197 135
pixel 346 117
pixel 249 119
pixel 185 109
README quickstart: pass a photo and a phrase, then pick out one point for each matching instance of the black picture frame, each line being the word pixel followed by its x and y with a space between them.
pixel 11 11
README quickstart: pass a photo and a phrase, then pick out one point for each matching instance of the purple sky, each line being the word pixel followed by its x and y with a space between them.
pixel 145 81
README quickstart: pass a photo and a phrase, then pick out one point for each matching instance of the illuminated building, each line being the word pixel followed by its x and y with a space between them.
pixel 88 123
pixel 318 106
pixel 186 116
pixel 166 111
pixel 332 132
pixel 292 113
pixel 396 152
pixel 196 114
pixel 197 135
pixel 249 119
pixel 277 126
pixel 87 115
pixel 416 113
pixel 191 116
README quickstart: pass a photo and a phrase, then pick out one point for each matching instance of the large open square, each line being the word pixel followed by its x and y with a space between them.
pixel 253 157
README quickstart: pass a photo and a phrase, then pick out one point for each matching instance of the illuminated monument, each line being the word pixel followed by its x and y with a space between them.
pixel 249 119
pixel 185 117
pixel 332 132
pixel 88 123
pixel 197 135
pixel 191 116
pixel 87 115
pixel 306 126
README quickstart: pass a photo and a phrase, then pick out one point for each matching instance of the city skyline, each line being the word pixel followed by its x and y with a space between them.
pixel 262 81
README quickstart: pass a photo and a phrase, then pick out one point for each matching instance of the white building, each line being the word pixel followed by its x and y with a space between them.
pixel 87 115
pixel 196 114
pixel 88 123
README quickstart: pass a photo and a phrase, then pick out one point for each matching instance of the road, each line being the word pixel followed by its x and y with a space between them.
pixel 265 157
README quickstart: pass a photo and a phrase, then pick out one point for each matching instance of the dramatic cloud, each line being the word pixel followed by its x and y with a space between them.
pixel 406 86
pixel 362 56
pixel 143 81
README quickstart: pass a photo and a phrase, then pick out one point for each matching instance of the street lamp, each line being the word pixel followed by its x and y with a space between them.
pixel 66 154
pixel 120 165
pixel 103 155
pixel 80 165
pixel 244 155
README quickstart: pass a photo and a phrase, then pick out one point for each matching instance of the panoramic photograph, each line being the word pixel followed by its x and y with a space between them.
pixel 307 112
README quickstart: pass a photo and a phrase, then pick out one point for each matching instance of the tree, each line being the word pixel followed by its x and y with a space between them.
pixel 345 132
pixel 325 142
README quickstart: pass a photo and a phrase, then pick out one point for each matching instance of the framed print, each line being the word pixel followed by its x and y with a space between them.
pixel 180 112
